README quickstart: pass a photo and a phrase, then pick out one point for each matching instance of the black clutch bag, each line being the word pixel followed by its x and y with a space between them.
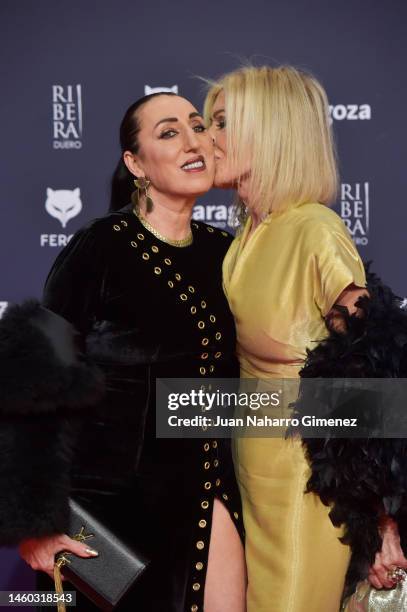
pixel 104 579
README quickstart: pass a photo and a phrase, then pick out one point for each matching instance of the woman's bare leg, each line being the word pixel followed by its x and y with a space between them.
pixel 225 587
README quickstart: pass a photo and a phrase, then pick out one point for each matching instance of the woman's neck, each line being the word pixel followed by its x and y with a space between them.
pixel 171 219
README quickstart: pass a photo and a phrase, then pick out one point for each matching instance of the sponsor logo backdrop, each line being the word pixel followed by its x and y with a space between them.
pixel 64 94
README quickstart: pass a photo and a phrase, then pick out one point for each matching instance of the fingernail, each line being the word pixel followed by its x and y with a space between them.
pixel 92 552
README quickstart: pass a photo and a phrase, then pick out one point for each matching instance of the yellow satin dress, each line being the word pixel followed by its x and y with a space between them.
pixel 279 285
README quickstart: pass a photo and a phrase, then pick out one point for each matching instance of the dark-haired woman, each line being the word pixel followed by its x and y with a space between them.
pixel 143 286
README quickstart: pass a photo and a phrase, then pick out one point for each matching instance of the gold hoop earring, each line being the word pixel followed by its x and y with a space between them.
pixel 142 184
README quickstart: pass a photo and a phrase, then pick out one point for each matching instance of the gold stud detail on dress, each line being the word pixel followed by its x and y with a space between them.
pixel 170 284
pixel 145 256
pixel 154 248
pixel 195 224
pixel 207 465
pixel 202 370
pixel 224 233
pixel 217 355
pixel 196 586
pixel 204 355
pixel 133 244
pixel 236 515
pixel 193 309
pixel 167 261
pixel 183 297
pixel 140 236
pixel 124 223
pixel 212 318
pixel 203 304
pixel 178 276
pixel 210 229
pixel 225 497
pixel 200 545
pixel 206 446
pixel 194 608
pixel 207 485
pixel 205 341
pixel 157 270
pixel 199 565
pixel 117 228
pixel 205 504
pixel 217 483
pixel 211 368
pixel 191 289
pixel 202 523
pixel 214 444
pixel 201 324
pixel 218 335
pixel 216 463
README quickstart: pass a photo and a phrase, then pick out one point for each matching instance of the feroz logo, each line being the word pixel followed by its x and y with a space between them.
pixel 339 112
pixel 151 90
pixel 67 116
pixel 354 210
pixel 3 306
pixel 62 204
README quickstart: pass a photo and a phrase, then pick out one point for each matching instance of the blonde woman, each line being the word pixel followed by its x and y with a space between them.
pixel 293 261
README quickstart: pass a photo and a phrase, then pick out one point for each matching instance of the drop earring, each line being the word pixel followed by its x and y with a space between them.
pixel 142 184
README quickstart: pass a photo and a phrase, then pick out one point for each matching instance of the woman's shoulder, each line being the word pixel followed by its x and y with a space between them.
pixel 111 223
pixel 214 237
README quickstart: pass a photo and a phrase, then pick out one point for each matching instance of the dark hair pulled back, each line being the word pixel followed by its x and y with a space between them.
pixel 122 180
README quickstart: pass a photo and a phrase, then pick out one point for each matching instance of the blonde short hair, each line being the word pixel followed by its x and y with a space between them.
pixel 278 119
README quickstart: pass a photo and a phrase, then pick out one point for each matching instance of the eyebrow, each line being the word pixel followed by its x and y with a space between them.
pixel 174 119
pixel 218 112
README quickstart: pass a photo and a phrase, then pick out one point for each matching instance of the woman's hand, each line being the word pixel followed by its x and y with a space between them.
pixel 390 556
pixel 40 553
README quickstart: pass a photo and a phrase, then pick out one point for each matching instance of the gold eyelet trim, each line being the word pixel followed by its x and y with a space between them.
pixel 195 224
pixel 199 565
pixel 211 368
pixel 207 485
pixel 216 463
pixel 178 276
pixel 133 244
pixel 224 234
pixel 145 256
pixel 204 355
pixel 200 545
pixel 157 270
pixel 202 523
pixel 167 261
pixel 124 223
pixel 217 355
pixel 201 324
pixel 225 497
pixel 205 341
pixel 207 465
pixel 194 608
pixel 170 284
pixel 193 309
pixel 210 229
pixel 202 370
pixel 155 249
pixel 117 228
pixel 215 444
pixel 212 318
pixel 140 236
pixel 203 304
pixel 183 297
pixel 217 482
pixel 218 335
pixel 236 515
pixel 206 446
pixel 191 289
pixel 205 505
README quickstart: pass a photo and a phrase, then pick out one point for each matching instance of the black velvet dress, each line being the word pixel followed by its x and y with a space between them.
pixel 148 309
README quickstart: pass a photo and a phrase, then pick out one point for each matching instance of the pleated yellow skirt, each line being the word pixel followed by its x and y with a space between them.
pixel 295 561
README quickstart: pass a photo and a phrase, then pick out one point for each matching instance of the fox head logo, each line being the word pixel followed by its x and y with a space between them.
pixel 63 204
pixel 151 90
